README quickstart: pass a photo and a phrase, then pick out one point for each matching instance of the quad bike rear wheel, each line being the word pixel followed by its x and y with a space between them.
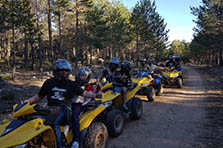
pixel 115 122
pixel 96 136
pixel 136 108
pixel 150 93
pixel 180 82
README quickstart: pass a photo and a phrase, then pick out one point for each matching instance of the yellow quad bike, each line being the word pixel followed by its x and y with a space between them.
pixel 31 128
pixel 146 85
pixel 173 76
pixel 115 113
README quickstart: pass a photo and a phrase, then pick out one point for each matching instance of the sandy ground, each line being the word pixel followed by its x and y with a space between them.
pixel 191 117
pixel 174 120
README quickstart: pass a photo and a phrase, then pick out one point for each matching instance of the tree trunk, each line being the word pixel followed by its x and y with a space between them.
pixel 51 54
pixel 77 33
pixel 61 52
pixel 26 53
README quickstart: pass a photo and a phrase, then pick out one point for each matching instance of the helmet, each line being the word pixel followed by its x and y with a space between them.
pixel 61 69
pixel 83 75
pixel 177 58
pixel 171 58
pixel 126 66
pixel 143 61
pixel 114 64
pixel 150 60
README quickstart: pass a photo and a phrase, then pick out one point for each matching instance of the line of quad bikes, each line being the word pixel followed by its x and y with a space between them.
pixel 100 118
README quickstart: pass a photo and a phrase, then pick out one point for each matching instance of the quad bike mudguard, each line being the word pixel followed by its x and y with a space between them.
pixel 144 82
pixel 23 133
pixel 89 116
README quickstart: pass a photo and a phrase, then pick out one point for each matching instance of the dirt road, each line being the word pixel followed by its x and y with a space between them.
pixel 175 120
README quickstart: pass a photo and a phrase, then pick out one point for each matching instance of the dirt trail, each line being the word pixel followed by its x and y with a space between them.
pixel 172 121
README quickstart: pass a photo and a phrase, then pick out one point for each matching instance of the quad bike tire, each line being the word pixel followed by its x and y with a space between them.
pixel 180 82
pixel 136 108
pixel 159 89
pixel 150 93
pixel 115 122
pixel 96 136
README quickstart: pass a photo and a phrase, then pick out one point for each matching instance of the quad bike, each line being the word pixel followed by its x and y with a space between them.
pixel 33 128
pixel 173 76
pixel 115 113
pixel 151 85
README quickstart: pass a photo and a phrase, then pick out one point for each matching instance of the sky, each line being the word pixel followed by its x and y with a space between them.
pixel 177 15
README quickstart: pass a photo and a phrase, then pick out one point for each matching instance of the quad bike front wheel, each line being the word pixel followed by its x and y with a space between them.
pixel 150 93
pixel 159 90
pixel 96 136
pixel 136 108
pixel 179 82
pixel 115 122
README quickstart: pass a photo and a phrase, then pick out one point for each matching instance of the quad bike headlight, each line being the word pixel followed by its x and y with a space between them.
pixel 21 146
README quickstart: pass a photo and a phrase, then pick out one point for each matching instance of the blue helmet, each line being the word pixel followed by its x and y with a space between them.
pixel 126 66
pixel 114 64
pixel 177 58
pixel 61 65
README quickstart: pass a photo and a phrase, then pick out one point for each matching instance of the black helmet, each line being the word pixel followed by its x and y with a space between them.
pixel 61 69
pixel 126 66
pixel 83 75
pixel 114 64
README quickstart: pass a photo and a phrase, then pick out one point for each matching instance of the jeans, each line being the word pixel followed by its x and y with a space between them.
pixel 59 118
pixel 76 110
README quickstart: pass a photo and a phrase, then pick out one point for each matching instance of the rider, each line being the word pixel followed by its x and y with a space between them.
pixel 177 62
pixel 143 66
pixel 60 91
pixel 126 67
pixel 83 77
pixel 152 67
pixel 109 73
pixel 171 62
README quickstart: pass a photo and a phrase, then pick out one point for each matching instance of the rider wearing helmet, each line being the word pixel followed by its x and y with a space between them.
pixel 171 62
pixel 60 91
pixel 143 66
pixel 126 67
pixel 83 77
pixel 152 67
pixel 109 73
pixel 177 62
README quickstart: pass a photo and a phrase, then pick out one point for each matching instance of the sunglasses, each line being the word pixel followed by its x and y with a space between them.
pixel 66 70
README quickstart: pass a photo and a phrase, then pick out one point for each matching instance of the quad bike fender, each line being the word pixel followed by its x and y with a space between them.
pixel 3 125
pixel 107 86
pixel 24 133
pixel 109 96
pixel 89 116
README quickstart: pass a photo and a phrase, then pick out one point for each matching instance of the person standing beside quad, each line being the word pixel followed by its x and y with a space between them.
pixel 62 92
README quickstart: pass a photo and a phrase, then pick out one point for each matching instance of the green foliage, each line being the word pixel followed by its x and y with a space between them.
pixel 87 28
pixel 207 43
pixel 149 29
